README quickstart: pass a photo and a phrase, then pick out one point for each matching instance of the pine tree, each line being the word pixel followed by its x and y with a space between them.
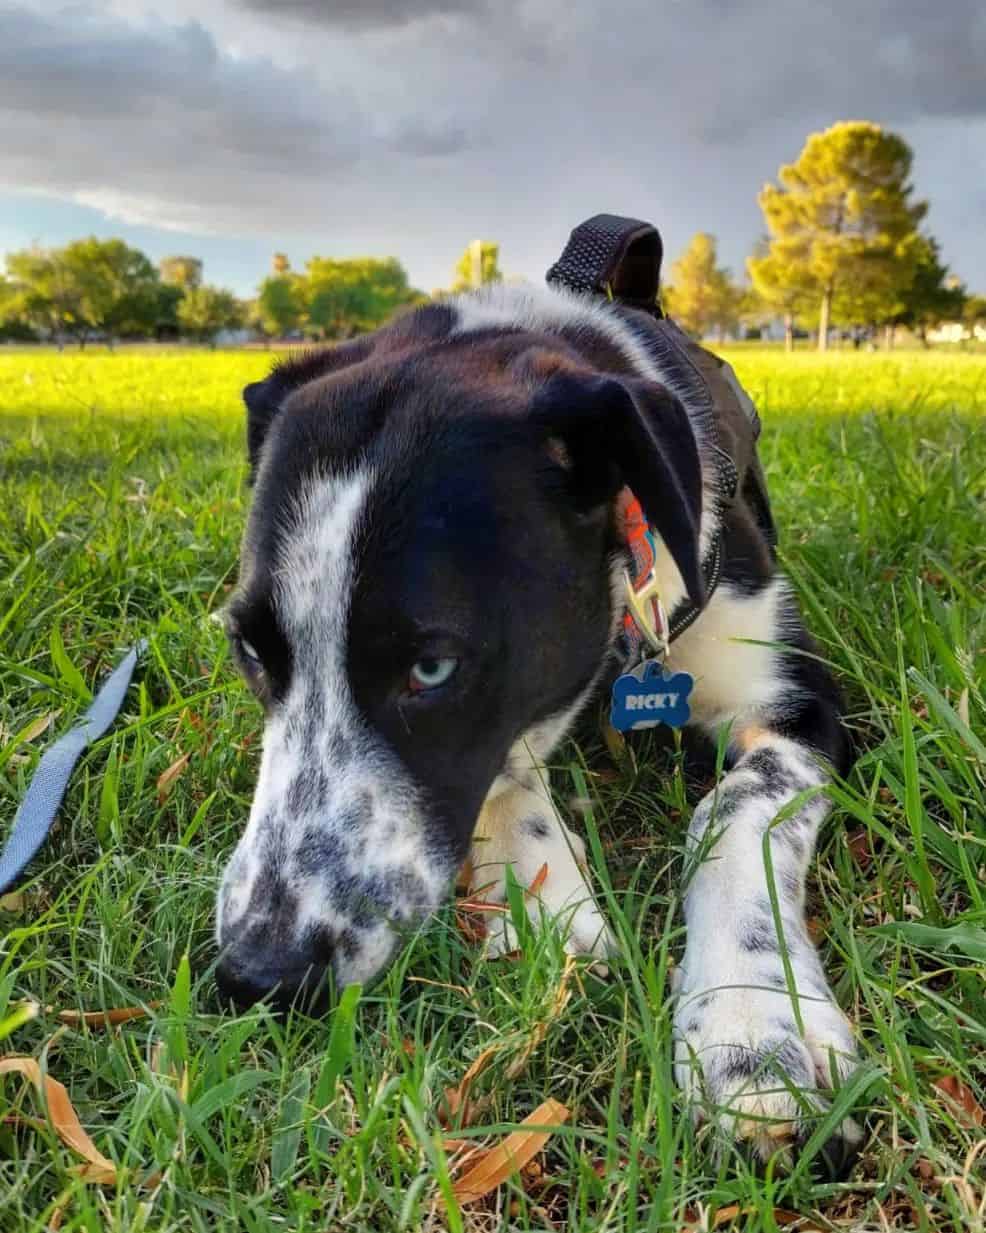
pixel 842 226
pixel 701 297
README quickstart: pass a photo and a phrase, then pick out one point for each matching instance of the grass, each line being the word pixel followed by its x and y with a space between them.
pixel 122 502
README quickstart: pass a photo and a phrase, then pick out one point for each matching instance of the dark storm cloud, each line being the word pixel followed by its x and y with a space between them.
pixel 413 126
pixel 913 57
pixel 365 14
pixel 106 111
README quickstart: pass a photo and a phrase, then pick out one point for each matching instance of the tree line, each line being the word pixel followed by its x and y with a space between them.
pixel 844 249
pixel 104 289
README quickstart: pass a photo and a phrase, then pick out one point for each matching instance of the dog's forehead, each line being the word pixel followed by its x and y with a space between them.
pixel 435 435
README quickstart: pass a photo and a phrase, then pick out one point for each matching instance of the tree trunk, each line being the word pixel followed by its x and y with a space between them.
pixel 788 332
pixel 888 338
pixel 823 319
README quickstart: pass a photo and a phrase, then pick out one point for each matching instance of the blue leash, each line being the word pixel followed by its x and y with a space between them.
pixel 47 788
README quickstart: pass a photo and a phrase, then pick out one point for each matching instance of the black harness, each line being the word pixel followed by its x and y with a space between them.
pixel 619 260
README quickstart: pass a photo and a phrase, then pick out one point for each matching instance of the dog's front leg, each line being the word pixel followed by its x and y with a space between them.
pixel 519 828
pixel 758 1030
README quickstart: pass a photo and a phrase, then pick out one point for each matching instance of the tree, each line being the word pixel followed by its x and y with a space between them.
pixel 280 304
pixel 842 225
pixel 119 286
pixel 280 263
pixel 347 297
pixel 183 272
pixel 933 296
pixel 13 325
pixel 753 312
pixel 478 265
pixel 204 311
pixel 90 286
pixel 701 296
pixel 974 314
pixel 169 296
pixel 38 292
pixel 781 287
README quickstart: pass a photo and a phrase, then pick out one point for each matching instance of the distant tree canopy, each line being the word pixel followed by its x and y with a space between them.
pixel 183 272
pixel 204 311
pixel 346 297
pixel 701 296
pixel 280 305
pixel 933 295
pixel 974 311
pixel 103 288
pixel 478 265
pixel 844 246
pixel 89 287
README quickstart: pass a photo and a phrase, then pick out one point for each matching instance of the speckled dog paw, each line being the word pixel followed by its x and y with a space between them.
pixel 741 1058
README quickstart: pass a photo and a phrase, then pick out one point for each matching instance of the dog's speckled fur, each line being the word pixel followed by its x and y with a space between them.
pixel 450 482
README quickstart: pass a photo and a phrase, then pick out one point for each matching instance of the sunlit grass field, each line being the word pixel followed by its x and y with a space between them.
pixel 121 502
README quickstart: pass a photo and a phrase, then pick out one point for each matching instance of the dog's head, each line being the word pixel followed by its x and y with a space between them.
pixel 425 579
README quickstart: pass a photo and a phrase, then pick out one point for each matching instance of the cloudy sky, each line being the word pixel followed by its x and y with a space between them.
pixel 233 128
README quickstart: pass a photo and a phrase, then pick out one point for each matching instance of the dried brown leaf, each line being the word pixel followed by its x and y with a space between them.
pixel 41 724
pixel 967 1108
pixel 64 1119
pixel 457 1103
pixel 782 1216
pixel 168 777
pixel 105 1018
pixel 472 927
pixel 859 846
pixel 510 1156
pixel 538 880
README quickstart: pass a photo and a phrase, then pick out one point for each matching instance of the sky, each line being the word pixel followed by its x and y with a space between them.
pixel 231 129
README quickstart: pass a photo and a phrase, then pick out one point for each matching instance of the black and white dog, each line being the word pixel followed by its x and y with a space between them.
pixel 430 593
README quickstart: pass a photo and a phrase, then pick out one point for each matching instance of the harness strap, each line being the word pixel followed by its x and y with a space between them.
pixel 620 259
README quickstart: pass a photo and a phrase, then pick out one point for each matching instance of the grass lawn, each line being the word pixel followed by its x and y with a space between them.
pixel 121 503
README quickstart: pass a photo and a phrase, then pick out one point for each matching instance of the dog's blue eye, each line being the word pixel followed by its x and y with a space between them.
pixel 430 672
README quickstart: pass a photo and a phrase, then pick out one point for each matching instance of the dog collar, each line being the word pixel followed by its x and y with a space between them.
pixel 646 694
pixel 647 629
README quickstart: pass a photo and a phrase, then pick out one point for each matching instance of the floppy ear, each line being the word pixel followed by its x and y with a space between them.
pixel 631 432
pixel 264 399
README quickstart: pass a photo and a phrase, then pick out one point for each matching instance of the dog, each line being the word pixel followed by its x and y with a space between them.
pixel 432 591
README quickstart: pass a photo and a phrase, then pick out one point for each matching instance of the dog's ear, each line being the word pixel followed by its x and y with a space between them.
pixel 263 402
pixel 626 431
pixel 264 399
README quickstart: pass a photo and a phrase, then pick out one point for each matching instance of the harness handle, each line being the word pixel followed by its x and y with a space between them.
pixel 619 258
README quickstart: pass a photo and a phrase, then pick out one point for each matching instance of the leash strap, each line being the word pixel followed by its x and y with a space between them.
pixel 47 787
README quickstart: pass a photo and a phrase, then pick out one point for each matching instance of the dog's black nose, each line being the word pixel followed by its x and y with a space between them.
pixel 286 980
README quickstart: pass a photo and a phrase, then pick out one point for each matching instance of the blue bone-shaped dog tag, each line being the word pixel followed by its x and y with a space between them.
pixel 649 696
